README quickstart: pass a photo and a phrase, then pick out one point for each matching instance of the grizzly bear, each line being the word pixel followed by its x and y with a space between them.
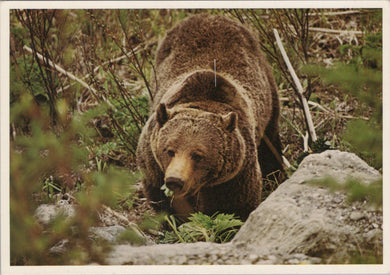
pixel 213 127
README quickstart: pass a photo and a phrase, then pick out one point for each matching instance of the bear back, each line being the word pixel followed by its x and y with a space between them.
pixel 196 42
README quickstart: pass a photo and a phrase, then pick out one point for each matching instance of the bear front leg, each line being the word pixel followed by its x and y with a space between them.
pixel 270 154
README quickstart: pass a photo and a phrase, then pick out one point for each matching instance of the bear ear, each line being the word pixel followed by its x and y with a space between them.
pixel 230 121
pixel 162 114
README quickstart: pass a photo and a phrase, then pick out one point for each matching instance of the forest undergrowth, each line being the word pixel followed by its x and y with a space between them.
pixel 80 83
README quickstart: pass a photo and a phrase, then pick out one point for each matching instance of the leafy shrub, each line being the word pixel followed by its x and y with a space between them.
pixel 36 160
pixel 218 228
pixel 355 190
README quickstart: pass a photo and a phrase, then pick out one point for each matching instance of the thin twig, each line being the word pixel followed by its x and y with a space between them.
pixel 285 149
pixel 71 76
pixel 292 125
pixel 306 142
pixel 286 162
pixel 298 84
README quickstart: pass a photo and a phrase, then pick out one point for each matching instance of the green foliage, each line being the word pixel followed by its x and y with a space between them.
pixel 45 161
pixel 366 137
pixel 369 257
pixel 300 158
pixel 50 187
pixel 126 198
pixel 218 228
pixel 320 145
pixel 132 235
pixel 361 77
pixel 355 190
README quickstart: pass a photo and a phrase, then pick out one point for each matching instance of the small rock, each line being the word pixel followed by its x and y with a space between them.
pixel 213 258
pixel 337 200
pixel 245 262
pixel 272 258
pixel 293 261
pixel 45 213
pixel 240 245
pixel 60 247
pixel 253 258
pixel 315 260
pixel 356 215
pixel 181 259
pixel 108 233
pixel 375 233
pixel 62 202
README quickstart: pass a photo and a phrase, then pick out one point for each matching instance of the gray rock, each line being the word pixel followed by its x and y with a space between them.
pixel 47 212
pixel 108 233
pixel 60 247
pixel 356 215
pixel 295 224
pixel 374 236
pixel 253 258
pixel 283 225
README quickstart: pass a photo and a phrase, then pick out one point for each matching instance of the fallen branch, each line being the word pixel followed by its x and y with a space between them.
pixel 71 76
pixel 351 33
pixel 335 13
pixel 353 117
pixel 358 33
pixel 311 103
pixel 316 105
pixel 117 215
pixel 305 105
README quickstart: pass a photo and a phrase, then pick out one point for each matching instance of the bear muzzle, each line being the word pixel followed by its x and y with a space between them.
pixel 174 183
pixel 178 174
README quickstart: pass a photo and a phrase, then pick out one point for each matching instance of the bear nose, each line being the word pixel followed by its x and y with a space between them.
pixel 174 183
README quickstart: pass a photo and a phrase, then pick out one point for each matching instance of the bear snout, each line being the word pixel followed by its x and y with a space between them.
pixel 174 183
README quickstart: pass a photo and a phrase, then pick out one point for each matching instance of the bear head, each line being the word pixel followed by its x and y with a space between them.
pixel 196 148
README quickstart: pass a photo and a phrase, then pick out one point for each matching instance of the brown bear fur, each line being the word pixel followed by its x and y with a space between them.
pixel 206 139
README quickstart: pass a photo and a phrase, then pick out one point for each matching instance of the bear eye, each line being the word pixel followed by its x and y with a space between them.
pixel 171 153
pixel 196 157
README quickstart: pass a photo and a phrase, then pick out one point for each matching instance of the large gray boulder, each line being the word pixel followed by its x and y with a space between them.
pixel 298 223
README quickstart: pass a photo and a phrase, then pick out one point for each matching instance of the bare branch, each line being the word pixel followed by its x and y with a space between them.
pixel 71 76
pixel 298 84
